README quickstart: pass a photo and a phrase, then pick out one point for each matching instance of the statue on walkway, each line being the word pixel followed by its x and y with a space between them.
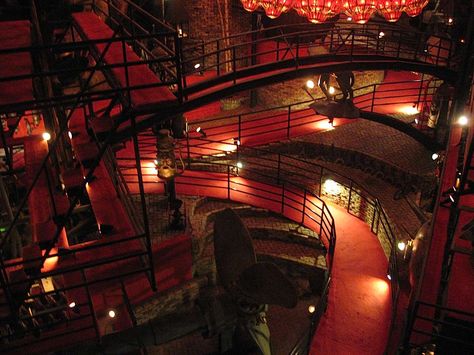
pixel 323 84
pixel 346 80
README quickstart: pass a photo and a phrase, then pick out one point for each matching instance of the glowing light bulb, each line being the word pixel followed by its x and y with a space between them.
pixel 72 304
pixel 332 90
pixel 310 84
pixel 463 120
pixel 311 309
pixel 401 246
pixel 112 313
pixel 46 136
pixel 435 156
pixel 240 165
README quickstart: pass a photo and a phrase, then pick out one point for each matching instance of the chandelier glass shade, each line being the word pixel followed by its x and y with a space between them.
pixel 274 8
pixel 360 10
pixel 318 11
pixel 250 5
pixel 391 10
pixel 414 7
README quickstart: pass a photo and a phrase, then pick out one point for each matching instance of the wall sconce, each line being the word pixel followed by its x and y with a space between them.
pixel 201 132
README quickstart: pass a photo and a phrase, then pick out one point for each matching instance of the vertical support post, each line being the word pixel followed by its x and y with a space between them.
pixel 178 55
pixel 127 79
pixel 349 199
pixel 278 168
pixel 143 204
pixel 297 50
pixel 240 129
pixel 228 182
pixel 234 64
pixel 91 307
pixel 373 98
pixel 218 57
pixel 188 150
pixel 321 172
pixel 321 222
pixel 304 206
pixel 289 123
pixel 283 198
pixel 253 57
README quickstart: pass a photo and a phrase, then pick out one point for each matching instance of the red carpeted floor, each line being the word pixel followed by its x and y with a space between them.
pixel 358 315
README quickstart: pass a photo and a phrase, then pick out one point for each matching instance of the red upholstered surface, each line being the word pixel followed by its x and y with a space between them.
pixel 15 34
pixel 39 201
pixel 95 29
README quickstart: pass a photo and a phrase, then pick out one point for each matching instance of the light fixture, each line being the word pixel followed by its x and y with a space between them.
pixel 381 34
pixel 201 132
pixel 389 277
pixel 332 90
pixel 450 20
pixel 331 187
pixel 417 120
pixel 311 309
pixel 391 10
pixel 310 84
pixel 414 7
pixel 111 313
pixel 69 133
pixel 46 136
pixel 317 11
pixel 434 156
pixel 401 245
pixel 250 5
pixel 274 8
pixel 72 304
pixel 236 141
pixel 463 120
pixel 360 10
pixel 349 19
pixel 197 65
pixel 240 165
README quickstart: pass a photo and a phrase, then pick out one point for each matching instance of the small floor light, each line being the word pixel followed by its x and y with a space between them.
pixel 311 309
pixel 401 245
pixel 389 277
pixel 310 84
pixel 112 313
pixel 332 90
pixel 240 165
pixel 72 304
pixel 434 156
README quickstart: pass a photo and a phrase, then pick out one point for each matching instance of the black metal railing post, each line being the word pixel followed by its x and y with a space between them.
pixel 289 122
pixel 304 207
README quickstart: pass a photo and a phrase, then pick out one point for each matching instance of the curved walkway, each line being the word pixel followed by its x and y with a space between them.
pixel 358 316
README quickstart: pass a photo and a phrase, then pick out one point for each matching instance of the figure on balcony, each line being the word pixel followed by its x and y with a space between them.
pixel 346 80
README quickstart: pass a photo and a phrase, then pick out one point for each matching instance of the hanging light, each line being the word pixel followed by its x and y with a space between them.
pixel 391 10
pixel 250 5
pixel 414 7
pixel 360 10
pixel 318 11
pixel 274 8
pixel 300 7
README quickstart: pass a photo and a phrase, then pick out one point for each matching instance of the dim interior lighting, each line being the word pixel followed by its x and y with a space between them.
pixel 417 121
pixel 381 34
pixel 201 132
pixel 349 19
pixel 462 40
pixel 463 120
pixel 69 134
pixel 240 165
pixel 310 84
pixel 311 309
pixel 450 20
pixel 197 65
pixel 332 90
pixel 331 187
pixel 435 156
pixel 112 313
pixel 401 246
pixel 46 136
pixel 389 277
pixel 72 305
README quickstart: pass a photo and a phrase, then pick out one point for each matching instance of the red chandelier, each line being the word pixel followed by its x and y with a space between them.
pixel 318 11
pixel 360 10
pixel 250 5
pixel 274 8
pixel 391 10
pixel 414 7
